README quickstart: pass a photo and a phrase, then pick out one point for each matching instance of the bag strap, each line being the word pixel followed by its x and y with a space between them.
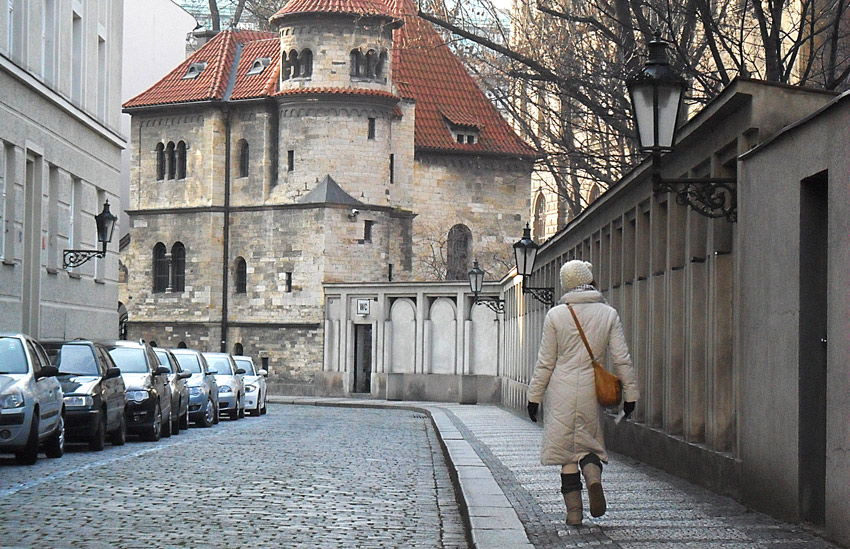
pixel 581 333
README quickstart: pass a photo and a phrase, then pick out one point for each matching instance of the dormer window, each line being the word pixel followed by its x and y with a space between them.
pixel 466 138
pixel 194 70
pixel 260 65
pixel 463 127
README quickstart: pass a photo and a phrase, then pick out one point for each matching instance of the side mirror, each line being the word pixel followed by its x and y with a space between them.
pixel 210 373
pixel 240 371
pixel 162 370
pixel 185 374
pixel 112 372
pixel 47 371
pixel 263 373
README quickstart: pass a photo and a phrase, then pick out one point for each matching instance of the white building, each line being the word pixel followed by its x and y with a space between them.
pixel 60 151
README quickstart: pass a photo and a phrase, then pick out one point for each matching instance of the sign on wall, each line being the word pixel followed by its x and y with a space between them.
pixel 363 307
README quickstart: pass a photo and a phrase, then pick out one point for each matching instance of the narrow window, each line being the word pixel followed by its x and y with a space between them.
pixel 286 68
pixel 160 161
pixel 371 128
pixel 371 63
pixel 7 202
pixel 77 59
pixel 48 39
pixel 243 158
pixel 381 66
pixel 288 287
pixel 392 168
pixel 160 269
pixel 181 345
pixel 181 160
pixel 540 218
pixel 53 217
pixel 460 138
pixel 170 160
pixel 290 161
pixel 367 230
pixel 241 275
pixel 306 63
pixel 178 267
pixel 238 350
pixel 354 62
pixel 295 64
pixel 101 79
pixel 459 244
pixel 389 272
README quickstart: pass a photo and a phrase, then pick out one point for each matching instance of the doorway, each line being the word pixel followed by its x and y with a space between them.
pixel 362 358
pixel 814 230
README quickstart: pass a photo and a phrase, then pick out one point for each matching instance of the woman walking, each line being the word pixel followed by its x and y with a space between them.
pixel 572 432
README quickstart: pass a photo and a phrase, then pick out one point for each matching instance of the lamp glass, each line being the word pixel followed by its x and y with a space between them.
pixel 642 104
pixel 525 252
pixel 476 278
pixel 105 222
pixel 669 99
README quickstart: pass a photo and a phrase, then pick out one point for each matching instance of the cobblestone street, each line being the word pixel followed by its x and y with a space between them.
pixel 301 476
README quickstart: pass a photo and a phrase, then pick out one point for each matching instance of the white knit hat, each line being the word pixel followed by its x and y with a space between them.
pixel 575 273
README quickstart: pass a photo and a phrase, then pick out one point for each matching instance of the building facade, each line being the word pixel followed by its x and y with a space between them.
pixel 351 146
pixel 60 146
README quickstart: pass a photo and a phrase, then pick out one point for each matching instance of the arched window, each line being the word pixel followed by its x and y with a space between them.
pixel 238 350
pixel 160 161
pixel 241 275
pixel 293 62
pixel 243 158
pixel 160 268
pixel 354 57
pixel 306 63
pixel 181 160
pixel 381 66
pixel 371 63
pixel 170 160
pixel 153 344
pixel 178 267
pixel 539 218
pixel 181 345
pixel 459 251
pixel 594 192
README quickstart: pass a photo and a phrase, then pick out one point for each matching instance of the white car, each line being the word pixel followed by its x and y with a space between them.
pixel 255 386
pixel 32 413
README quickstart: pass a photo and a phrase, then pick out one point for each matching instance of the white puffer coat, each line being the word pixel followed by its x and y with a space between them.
pixel 564 373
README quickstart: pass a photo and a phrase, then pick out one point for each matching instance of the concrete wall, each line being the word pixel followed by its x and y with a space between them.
pixel 779 413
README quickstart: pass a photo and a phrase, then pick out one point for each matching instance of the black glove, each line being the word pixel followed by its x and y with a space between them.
pixel 628 408
pixel 532 410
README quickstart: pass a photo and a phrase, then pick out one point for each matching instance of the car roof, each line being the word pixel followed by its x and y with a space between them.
pixel 57 342
pixel 125 343
pixel 243 357
pixel 185 351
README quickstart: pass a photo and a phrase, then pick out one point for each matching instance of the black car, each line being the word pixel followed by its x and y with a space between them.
pixel 148 409
pixel 94 392
pixel 179 391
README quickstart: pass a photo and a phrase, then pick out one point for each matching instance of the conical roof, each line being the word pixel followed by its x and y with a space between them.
pixel 377 8
pixel 329 192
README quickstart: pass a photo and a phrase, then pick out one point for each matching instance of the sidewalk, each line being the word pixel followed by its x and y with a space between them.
pixel 511 501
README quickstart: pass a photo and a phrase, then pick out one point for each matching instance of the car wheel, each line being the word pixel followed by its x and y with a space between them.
pixel 98 439
pixel 175 425
pixel 119 436
pixel 234 413
pixel 242 409
pixel 29 455
pixel 166 426
pixel 216 417
pixel 263 409
pixel 155 430
pixel 55 445
pixel 256 411
pixel 184 421
pixel 207 419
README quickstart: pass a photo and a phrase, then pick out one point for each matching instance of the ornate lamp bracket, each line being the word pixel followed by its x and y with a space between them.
pixel 496 305
pixel 543 295
pixel 713 197
pixel 75 258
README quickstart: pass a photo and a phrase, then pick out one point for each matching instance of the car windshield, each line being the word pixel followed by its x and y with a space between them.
pixel 189 362
pixel 130 361
pixel 74 359
pixel 246 365
pixel 163 360
pixel 220 365
pixel 12 357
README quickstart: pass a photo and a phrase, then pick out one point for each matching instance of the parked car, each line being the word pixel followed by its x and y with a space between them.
pixel 32 413
pixel 255 385
pixel 179 390
pixel 94 392
pixel 148 408
pixel 231 391
pixel 203 390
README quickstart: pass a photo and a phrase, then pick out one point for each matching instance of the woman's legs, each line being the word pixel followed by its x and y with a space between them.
pixel 571 490
pixel 591 468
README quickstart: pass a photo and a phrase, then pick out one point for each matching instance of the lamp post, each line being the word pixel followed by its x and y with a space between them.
pixel 656 92
pixel 105 222
pixel 476 282
pixel 525 251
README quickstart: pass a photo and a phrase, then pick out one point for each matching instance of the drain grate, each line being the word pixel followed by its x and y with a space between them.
pixel 419 416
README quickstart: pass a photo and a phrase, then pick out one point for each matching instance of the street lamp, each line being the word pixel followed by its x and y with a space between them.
pixel 105 222
pixel 525 251
pixel 657 92
pixel 476 282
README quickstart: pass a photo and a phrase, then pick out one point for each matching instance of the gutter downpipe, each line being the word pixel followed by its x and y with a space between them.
pixel 226 229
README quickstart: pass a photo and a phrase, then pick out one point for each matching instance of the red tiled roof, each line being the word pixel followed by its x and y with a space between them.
pixel 338 91
pixel 210 84
pixel 262 84
pixel 345 7
pixel 425 69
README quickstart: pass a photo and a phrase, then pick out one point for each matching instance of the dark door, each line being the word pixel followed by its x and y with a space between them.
pixel 362 358
pixel 813 338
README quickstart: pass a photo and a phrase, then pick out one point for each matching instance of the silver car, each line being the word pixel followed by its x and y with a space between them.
pixel 255 385
pixel 203 391
pixel 231 390
pixel 32 412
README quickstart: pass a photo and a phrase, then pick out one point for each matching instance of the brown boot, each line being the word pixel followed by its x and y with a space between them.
pixel 593 479
pixel 574 509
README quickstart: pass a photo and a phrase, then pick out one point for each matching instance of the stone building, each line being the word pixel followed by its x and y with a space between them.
pixel 352 146
pixel 60 147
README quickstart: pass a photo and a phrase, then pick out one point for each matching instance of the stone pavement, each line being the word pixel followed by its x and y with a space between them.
pixel 510 500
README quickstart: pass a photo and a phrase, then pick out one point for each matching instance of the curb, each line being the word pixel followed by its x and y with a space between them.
pixel 491 520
